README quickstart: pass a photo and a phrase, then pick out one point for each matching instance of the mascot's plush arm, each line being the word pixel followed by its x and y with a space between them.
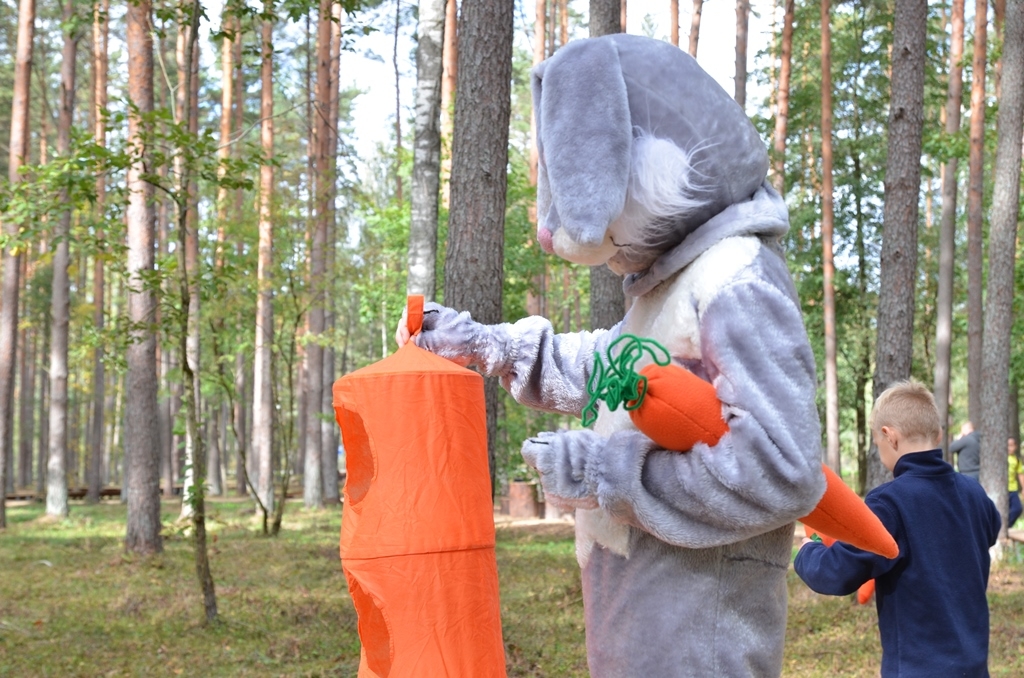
pixel 762 474
pixel 540 368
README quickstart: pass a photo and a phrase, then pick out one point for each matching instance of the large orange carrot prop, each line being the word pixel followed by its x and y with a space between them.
pixel 417 532
pixel 677 409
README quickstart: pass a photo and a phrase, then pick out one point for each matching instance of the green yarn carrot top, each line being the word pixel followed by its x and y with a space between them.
pixel 619 383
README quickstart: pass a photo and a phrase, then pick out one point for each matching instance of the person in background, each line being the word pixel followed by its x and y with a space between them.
pixel 1016 478
pixel 967 449
pixel 932 609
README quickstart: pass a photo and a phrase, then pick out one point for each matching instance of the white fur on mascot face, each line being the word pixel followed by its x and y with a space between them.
pixel 638 146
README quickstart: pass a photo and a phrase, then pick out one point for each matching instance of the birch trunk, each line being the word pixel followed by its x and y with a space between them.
pixel 426 159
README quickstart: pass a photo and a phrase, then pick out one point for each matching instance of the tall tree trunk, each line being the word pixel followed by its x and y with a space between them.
pixel 328 430
pixel 426 160
pixel 607 300
pixel 742 24
pixel 26 415
pixel 141 437
pixel 12 256
pixel 605 17
pixel 828 264
pixel 188 238
pixel 1002 241
pixel 43 408
pixel 782 102
pixel 698 7
pixel 947 228
pixel 100 33
pixel 476 224
pixel 534 299
pixel 450 69
pixel 398 105
pixel 314 370
pixel 673 13
pixel 263 408
pixel 898 271
pixel 975 215
pixel 239 411
pixel 56 475
pixel 563 21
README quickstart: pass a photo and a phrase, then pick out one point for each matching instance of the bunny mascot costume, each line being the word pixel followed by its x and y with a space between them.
pixel 646 164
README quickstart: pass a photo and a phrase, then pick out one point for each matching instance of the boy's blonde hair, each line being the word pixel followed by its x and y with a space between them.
pixel 909 407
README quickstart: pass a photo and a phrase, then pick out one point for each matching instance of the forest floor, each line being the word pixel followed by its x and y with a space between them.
pixel 72 603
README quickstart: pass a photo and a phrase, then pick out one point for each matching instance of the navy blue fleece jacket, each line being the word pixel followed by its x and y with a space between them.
pixel 932 609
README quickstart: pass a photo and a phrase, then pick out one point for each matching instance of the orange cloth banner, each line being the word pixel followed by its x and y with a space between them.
pixel 417 531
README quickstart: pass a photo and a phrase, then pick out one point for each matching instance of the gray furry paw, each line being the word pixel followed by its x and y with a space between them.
pixel 564 460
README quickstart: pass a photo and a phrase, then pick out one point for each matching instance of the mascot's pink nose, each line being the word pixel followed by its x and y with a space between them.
pixel 544 238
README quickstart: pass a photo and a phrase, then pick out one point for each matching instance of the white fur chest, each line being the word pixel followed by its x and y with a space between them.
pixel 670 314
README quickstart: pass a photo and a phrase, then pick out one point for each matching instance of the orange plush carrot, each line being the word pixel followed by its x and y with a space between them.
pixel 866 590
pixel 677 409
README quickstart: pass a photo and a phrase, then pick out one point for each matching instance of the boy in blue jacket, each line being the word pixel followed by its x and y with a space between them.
pixel 932 609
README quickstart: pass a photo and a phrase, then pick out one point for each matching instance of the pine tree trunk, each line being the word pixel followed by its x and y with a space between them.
pixel 673 13
pixel 99 39
pixel 535 294
pixel 605 17
pixel 473 267
pixel 12 257
pixel 975 215
pixel 698 7
pixel 314 368
pixel 426 158
pixel 828 264
pixel 26 416
pixel 742 24
pixel 607 300
pixel 141 436
pixel 947 229
pixel 263 406
pixel 329 430
pixel 1002 241
pixel 898 271
pixel 43 407
pixel 450 69
pixel 782 110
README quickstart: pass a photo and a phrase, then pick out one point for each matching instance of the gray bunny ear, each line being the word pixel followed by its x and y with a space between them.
pixel 584 137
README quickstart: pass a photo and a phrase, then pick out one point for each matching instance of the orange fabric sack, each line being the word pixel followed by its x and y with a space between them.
pixel 417 531
pixel 676 409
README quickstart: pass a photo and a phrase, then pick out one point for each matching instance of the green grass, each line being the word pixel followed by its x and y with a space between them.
pixel 72 603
